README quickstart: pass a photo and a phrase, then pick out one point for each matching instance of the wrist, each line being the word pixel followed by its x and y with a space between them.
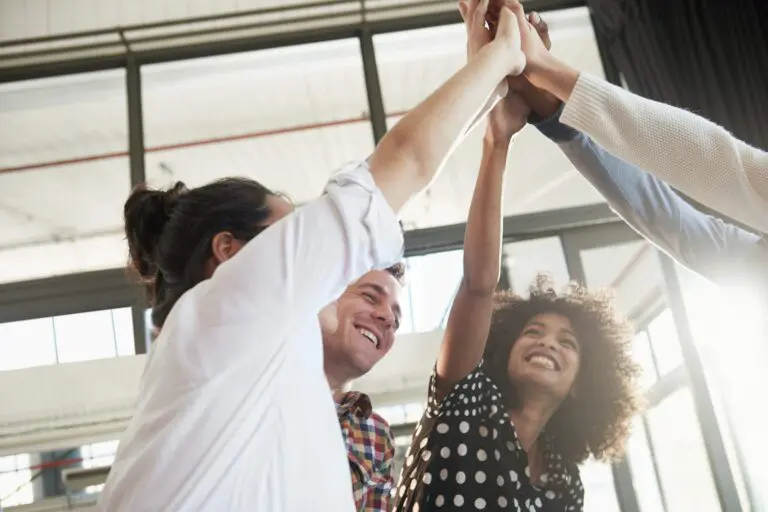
pixel 552 75
pixel 494 144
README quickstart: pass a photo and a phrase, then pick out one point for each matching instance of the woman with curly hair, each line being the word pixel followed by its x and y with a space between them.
pixel 524 389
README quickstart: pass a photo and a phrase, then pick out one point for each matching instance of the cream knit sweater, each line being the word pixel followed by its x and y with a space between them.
pixel 694 155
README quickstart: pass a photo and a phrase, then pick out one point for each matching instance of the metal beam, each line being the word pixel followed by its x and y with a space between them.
pixel 516 228
pixel 373 86
pixel 135 122
pixel 610 68
pixel 374 20
pixel 719 463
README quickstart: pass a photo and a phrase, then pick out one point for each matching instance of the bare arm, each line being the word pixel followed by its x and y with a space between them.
pixel 470 318
pixel 412 153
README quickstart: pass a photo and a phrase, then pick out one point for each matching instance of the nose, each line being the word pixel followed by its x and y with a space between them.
pixel 385 316
pixel 548 342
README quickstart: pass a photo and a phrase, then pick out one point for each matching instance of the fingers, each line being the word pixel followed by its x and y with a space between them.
pixel 478 17
pixel 463 9
pixel 519 12
pixel 541 27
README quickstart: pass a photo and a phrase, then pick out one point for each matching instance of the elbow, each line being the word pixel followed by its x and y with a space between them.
pixel 410 154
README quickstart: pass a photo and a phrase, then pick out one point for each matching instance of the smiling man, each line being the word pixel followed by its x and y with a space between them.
pixel 358 330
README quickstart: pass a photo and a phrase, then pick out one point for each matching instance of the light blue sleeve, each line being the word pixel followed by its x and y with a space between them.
pixel 708 245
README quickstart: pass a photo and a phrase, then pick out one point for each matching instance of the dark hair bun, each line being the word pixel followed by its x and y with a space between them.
pixel 146 213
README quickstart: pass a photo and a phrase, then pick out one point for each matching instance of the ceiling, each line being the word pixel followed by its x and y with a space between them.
pixel 287 117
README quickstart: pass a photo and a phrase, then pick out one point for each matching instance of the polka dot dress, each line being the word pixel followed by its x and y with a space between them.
pixel 465 456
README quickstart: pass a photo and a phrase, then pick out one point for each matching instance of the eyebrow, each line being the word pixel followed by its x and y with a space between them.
pixel 381 291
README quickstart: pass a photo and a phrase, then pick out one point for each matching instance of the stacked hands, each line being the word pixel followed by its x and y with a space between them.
pixel 526 43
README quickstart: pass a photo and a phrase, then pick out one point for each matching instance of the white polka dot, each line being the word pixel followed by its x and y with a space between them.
pixel 409 460
pixel 443 474
pixel 393 492
pixel 427 478
pixel 458 500
pixel 415 507
pixel 474 412
pixel 513 476
pixel 413 484
pixel 483 431
pixel 510 446
pixel 550 495
pixel 464 427
pixel 528 471
pixel 402 490
pixel 538 502
pixel 461 477
pixel 480 504
pixel 479 385
pixel 439 500
pixel 442 428
pixel 445 452
pixel 481 455
pixel 495 433
pixel 497 454
pixel 423 442
pixel 500 480
pixel 480 477
pixel 466 412
pixel 426 455
pixel 462 449
pixel 474 399
pixel 502 502
pixel 494 410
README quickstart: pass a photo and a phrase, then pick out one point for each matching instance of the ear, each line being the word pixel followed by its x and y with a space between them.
pixel 329 319
pixel 224 246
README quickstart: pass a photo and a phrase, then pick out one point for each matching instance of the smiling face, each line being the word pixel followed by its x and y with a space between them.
pixel 359 328
pixel 546 356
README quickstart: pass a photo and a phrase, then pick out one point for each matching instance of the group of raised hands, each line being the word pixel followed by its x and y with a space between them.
pixel 526 90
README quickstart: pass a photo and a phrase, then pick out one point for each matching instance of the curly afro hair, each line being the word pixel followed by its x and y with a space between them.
pixel 596 419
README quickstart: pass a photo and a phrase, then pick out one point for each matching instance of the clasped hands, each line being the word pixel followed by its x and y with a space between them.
pixel 528 38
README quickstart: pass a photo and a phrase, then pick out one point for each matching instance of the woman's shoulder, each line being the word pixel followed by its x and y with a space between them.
pixel 475 395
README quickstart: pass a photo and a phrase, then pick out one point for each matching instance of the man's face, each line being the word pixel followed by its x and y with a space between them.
pixel 359 328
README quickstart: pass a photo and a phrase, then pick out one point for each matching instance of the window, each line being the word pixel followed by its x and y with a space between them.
pixel 666 346
pixel 641 461
pixel 641 350
pixel 15 481
pixel 66 338
pixel 683 465
pixel 98 455
pixel 276 115
pixel 432 281
pixel 599 491
pixel 64 175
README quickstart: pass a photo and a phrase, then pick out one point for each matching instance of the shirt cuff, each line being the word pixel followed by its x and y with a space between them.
pixel 381 222
pixel 589 101
pixel 553 129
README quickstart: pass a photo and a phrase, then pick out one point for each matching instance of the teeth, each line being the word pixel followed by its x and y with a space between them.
pixel 368 334
pixel 543 361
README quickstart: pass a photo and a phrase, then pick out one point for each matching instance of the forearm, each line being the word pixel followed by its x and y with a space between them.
pixel 410 155
pixel 482 238
pixel 687 151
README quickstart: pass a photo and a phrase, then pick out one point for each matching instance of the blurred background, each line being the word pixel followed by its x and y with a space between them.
pixel 99 95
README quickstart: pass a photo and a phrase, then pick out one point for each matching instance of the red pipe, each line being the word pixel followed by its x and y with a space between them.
pixel 193 143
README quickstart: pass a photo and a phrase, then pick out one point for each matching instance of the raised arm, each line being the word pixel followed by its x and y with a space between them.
pixel 470 317
pixel 410 155
pixel 710 246
pixel 694 155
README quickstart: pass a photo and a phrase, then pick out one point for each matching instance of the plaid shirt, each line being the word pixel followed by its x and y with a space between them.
pixel 370 449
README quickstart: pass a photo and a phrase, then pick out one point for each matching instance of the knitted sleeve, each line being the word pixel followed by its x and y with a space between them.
pixel 694 155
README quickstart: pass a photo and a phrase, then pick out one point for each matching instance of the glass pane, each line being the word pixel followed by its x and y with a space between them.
pixel 286 116
pixel 641 350
pixel 666 345
pixel 599 491
pixel 15 481
pixel 122 321
pixel 432 281
pixel 682 460
pixel 524 260
pixel 27 343
pixel 643 471
pixel 64 174
pixel 85 336
pixel 728 326
pixel 413 64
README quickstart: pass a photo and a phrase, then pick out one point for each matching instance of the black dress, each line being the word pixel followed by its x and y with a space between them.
pixel 465 455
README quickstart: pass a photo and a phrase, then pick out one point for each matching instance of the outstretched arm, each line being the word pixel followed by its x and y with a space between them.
pixel 470 317
pixel 411 154
pixel 694 155
pixel 710 246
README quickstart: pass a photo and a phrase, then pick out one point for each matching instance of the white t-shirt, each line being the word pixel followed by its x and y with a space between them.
pixel 235 412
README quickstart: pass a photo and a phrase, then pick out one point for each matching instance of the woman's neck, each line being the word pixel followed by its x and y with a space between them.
pixel 531 419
